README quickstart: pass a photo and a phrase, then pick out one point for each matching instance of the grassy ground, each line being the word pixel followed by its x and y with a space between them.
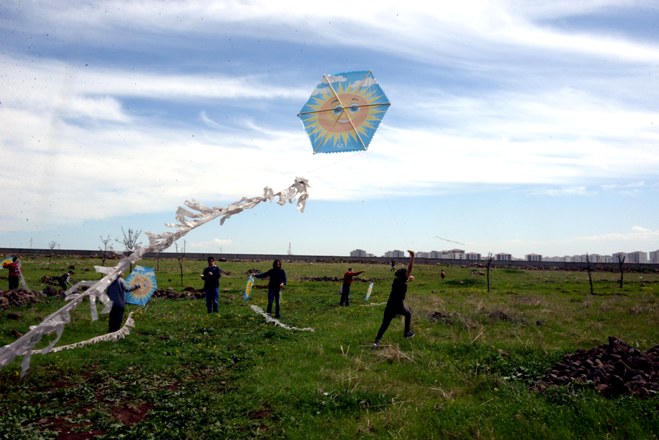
pixel 466 374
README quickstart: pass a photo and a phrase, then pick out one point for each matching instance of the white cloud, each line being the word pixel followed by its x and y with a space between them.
pixel 499 97
pixel 216 243
pixel 639 235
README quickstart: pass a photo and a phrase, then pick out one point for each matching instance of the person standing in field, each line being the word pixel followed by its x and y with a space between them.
pixel 64 280
pixel 396 303
pixel 14 273
pixel 117 293
pixel 442 274
pixel 211 276
pixel 276 282
pixel 345 288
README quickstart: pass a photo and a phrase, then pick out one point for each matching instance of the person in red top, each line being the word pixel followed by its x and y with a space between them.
pixel 14 273
pixel 345 289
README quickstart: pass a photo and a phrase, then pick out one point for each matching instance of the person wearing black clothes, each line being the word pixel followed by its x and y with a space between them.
pixel 396 303
pixel 211 276
pixel 117 293
pixel 64 280
pixel 276 283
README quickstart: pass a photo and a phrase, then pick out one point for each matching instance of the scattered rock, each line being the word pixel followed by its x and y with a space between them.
pixel 614 369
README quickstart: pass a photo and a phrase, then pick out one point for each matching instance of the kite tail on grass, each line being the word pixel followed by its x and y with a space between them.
pixel 114 336
pixel 275 321
pixel 188 219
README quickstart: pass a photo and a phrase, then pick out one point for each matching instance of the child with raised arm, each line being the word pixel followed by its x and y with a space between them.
pixel 396 303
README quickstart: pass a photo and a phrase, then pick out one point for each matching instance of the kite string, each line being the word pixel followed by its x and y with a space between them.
pixel 392 214
pixel 386 199
pixel 343 159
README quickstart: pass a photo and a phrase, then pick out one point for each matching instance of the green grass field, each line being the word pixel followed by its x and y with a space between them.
pixel 466 374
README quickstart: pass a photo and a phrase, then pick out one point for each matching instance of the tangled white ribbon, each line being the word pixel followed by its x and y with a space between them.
pixel 187 220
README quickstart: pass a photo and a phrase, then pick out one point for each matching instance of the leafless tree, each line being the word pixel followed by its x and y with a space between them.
pixel 106 247
pixel 621 262
pixel 52 245
pixel 180 257
pixel 130 239
pixel 489 264
pixel 590 274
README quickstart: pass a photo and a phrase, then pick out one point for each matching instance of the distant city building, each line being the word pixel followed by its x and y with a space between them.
pixel 452 254
pixel 458 254
pixel 358 253
pixel 394 254
pixel 637 257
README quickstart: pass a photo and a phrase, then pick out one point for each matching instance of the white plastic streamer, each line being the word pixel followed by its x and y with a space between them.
pixel 188 219
pixel 275 321
pixel 119 334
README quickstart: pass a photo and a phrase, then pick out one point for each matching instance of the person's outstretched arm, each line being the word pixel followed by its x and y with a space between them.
pixel 410 265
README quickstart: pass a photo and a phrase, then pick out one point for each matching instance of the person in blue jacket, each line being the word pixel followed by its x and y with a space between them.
pixel 276 283
pixel 117 293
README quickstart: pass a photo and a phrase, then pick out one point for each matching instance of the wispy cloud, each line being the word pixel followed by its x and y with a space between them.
pixel 106 105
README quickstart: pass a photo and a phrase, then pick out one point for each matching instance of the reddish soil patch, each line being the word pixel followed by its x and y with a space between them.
pixel 131 414
pixel 67 430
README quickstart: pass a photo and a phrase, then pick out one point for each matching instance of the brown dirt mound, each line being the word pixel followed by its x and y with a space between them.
pixel 614 369
pixel 18 297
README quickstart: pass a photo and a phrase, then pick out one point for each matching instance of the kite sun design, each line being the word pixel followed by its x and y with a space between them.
pixel 343 112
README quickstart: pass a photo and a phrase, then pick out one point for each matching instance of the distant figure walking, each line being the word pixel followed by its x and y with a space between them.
pixel 14 273
pixel 276 283
pixel 393 264
pixel 396 303
pixel 442 274
pixel 345 289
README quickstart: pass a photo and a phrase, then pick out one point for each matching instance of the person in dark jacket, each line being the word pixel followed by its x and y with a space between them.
pixel 396 303
pixel 117 293
pixel 211 276
pixel 276 283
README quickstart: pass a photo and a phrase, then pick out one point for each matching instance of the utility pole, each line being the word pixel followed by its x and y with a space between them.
pixel 289 248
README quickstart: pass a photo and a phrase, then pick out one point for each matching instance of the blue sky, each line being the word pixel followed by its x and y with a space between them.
pixel 515 126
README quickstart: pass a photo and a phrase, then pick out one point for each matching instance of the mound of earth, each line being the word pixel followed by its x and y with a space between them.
pixel 187 293
pixel 614 369
pixel 18 297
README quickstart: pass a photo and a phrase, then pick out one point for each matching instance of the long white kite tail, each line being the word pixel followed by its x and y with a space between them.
pixel 187 220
